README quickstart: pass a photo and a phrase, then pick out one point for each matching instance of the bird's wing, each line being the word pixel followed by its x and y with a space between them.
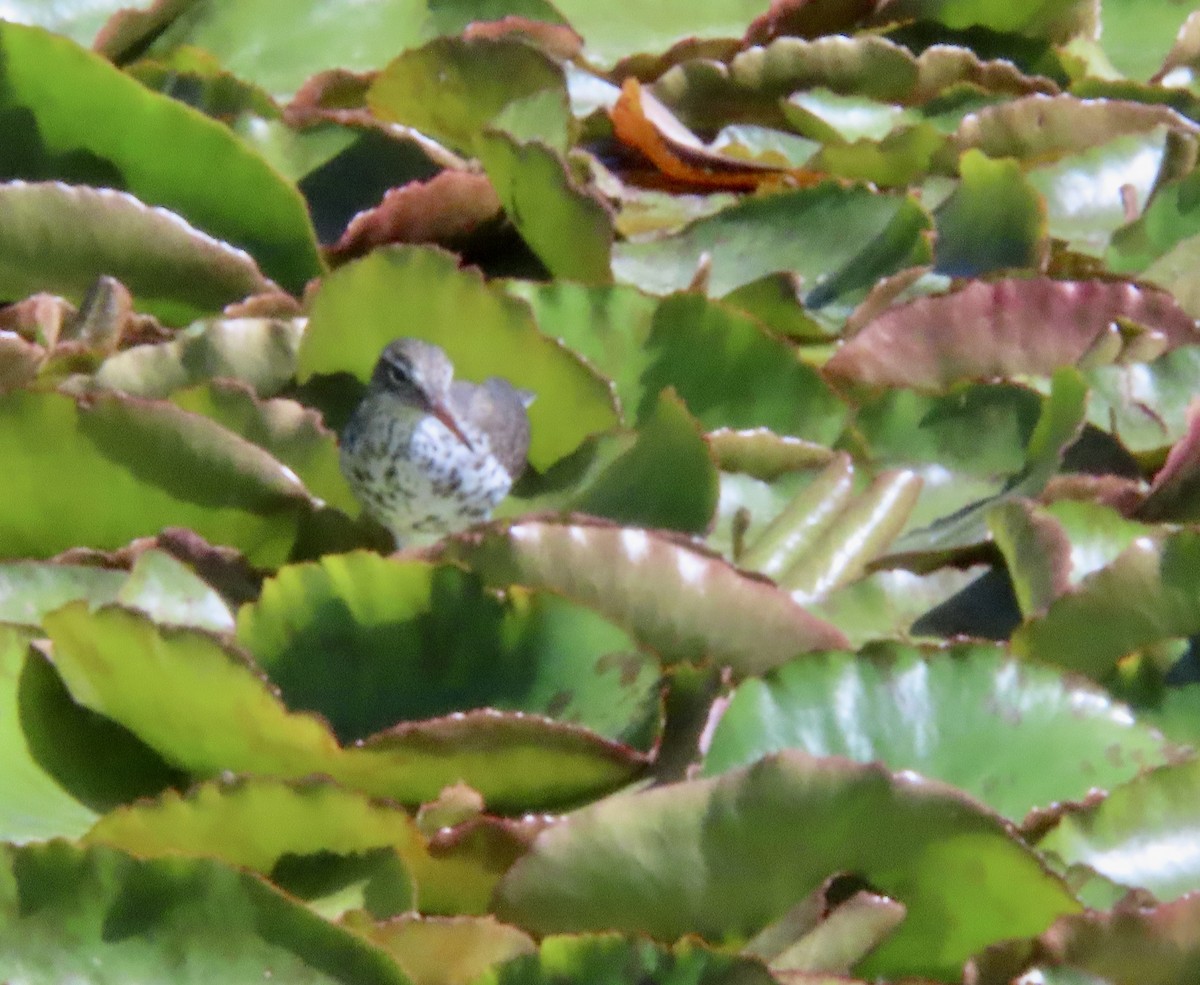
pixel 496 408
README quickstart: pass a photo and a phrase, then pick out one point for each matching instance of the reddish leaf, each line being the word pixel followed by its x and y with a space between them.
pixel 1001 329
pixel 558 40
pixel 449 206
pixel 809 18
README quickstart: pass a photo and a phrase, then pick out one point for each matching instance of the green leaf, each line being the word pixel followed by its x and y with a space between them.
pixel 834 119
pixel 654 27
pixel 714 847
pixel 1143 404
pixel 483 331
pixel 728 371
pixel 900 159
pixel 260 352
pixel 265 825
pixel 196 78
pixel 291 432
pixel 60 765
pixel 30 589
pixel 159 585
pixel 88 914
pixel 861 532
pixel 120 468
pixel 370 642
pixel 994 219
pixel 975 429
pixel 1056 20
pixel 61 238
pixel 733 374
pixel 1149 945
pixel 78 20
pixel 52 92
pixel 1132 836
pixel 1173 271
pixel 852 238
pixel 444 950
pixel 1058 426
pixel 569 229
pixel 265 42
pixel 666 479
pixel 1036 553
pixel 172 594
pixel 969 716
pixel 1040 128
pixel 945 80
pixel 803 519
pixel 1137 35
pixel 607 325
pixel 1085 193
pixel 225 716
pixel 660 590
pixel 1048 550
pixel 889 604
pixel 1090 628
pixel 451 88
pixel 1176 715
pixel 612 959
pixel 1171 216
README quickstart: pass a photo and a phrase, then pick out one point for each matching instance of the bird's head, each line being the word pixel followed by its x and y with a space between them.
pixel 418 373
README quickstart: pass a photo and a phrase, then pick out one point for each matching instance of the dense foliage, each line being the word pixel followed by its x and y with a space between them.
pixel 841 627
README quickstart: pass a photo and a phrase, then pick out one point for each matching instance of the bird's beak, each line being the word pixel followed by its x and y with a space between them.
pixel 442 413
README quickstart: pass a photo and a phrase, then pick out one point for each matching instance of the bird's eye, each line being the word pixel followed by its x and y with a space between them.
pixel 399 372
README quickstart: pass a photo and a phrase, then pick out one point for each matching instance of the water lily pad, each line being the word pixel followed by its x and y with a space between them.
pixel 659 589
pixel 714 847
pixel 291 432
pixel 1172 216
pixel 451 88
pixel 1090 628
pixel 994 219
pixel 266 825
pixel 970 716
pixel 1126 836
pixel 370 642
pixel 225 717
pixel 445 950
pixel 1047 127
pixel 999 329
pixel 63 766
pixel 151 465
pixel 853 237
pixel 729 372
pixel 664 477
pixel 709 94
pixel 1088 195
pixel 100 908
pixel 566 226
pixel 610 957
pixel 53 92
pixel 61 238
pixel 262 40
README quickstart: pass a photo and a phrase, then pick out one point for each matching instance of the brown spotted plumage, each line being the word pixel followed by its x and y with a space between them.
pixel 427 455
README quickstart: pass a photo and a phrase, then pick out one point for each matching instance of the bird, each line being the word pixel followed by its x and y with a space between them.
pixel 427 455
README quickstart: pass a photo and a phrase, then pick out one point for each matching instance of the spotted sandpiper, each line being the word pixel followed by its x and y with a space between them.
pixel 427 455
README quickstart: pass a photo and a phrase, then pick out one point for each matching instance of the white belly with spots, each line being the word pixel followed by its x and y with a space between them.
pixel 417 478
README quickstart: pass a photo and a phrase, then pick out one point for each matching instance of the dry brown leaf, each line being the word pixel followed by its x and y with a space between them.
pixel 643 123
